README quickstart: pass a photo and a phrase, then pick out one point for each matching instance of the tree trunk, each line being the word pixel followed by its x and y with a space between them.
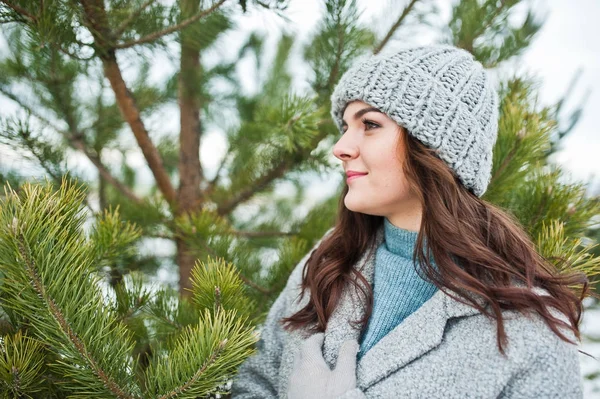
pixel 190 170
pixel 97 21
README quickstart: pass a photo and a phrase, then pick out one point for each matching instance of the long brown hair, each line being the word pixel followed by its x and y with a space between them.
pixel 477 247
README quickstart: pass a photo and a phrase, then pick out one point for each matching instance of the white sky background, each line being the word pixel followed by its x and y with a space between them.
pixel 568 40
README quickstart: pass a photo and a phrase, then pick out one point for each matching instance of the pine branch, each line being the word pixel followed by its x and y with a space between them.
pixel 19 10
pixel 245 279
pixel 505 162
pixel 104 172
pixel 30 144
pixel 256 186
pixel 210 361
pixel 174 28
pixel 21 365
pixel 497 11
pixel 484 24
pixel 50 263
pixel 97 21
pixel 261 234
pixel 338 40
pixel 64 324
pixel 219 341
pixel 125 24
pixel 213 183
pixel 541 209
pixel 338 57
pixel 76 142
pixel 395 27
pixel 131 113
pixel 291 154
pixel 252 284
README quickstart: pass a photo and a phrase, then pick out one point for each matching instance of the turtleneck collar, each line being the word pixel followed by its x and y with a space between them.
pixel 399 241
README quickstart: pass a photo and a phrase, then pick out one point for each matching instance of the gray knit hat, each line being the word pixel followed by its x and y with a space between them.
pixel 441 95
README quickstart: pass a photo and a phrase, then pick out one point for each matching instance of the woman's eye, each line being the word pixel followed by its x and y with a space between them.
pixel 370 125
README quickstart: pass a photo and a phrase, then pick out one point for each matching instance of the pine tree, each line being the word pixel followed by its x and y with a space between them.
pixel 64 341
pixel 67 69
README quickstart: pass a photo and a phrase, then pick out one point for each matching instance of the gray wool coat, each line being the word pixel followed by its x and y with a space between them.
pixel 445 349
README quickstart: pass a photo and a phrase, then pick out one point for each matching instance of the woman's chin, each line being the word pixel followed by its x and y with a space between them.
pixel 355 206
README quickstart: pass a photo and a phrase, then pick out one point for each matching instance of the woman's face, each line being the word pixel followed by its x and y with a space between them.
pixel 369 145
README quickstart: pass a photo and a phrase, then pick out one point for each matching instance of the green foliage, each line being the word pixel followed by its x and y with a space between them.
pixel 113 238
pixel 43 252
pixel 483 28
pixel 338 41
pixel 152 18
pixel 567 254
pixel 34 144
pixel 216 286
pixel 21 362
pixel 207 352
pixel 49 288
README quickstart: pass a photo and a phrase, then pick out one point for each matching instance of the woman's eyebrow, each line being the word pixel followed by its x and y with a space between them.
pixel 361 112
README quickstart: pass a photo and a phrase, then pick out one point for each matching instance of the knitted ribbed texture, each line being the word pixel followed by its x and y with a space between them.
pixel 397 289
pixel 441 95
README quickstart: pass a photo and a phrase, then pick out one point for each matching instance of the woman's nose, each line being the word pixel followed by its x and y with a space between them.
pixel 345 149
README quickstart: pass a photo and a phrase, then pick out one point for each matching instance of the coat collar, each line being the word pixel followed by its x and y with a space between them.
pixel 417 334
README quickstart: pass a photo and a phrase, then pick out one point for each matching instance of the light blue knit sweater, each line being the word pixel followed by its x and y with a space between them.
pixel 397 288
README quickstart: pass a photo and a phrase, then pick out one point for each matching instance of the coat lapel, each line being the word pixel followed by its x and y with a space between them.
pixel 417 334
pixel 350 307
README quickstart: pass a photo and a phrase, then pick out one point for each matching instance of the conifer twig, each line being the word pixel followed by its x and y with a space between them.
pixel 255 186
pixel 97 21
pixel 104 172
pixel 153 36
pixel 285 163
pixel 212 184
pixel 252 284
pixel 505 162
pixel 79 145
pixel 57 314
pixel 31 146
pixel 245 279
pixel 121 28
pixel 395 27
pixel 260 234
pixel 213 357
pixel 338 57
pixel 19 10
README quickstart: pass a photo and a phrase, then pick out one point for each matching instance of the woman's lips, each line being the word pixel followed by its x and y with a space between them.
pixel 354 177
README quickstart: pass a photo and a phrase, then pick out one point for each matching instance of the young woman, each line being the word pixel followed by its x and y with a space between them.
pixel 422 289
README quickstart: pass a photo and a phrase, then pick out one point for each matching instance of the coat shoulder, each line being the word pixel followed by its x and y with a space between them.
pixel 529 337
